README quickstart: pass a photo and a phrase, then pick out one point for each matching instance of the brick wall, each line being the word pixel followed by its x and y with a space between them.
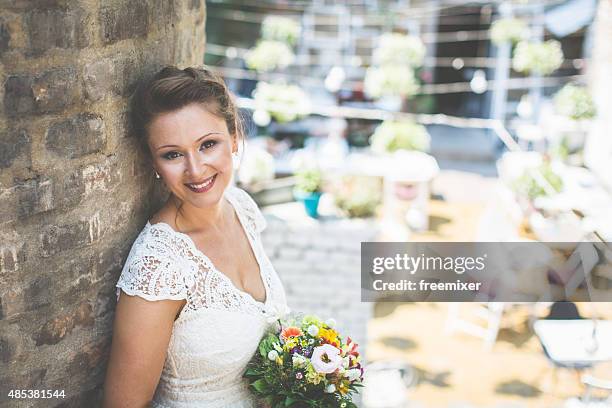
pixel 74 188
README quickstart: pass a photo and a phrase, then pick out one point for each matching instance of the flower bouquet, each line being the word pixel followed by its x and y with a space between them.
pixel 305 363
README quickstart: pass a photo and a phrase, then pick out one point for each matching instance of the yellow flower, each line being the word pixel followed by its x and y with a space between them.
pixel 343 387
pixel 291 343
pixel 329 336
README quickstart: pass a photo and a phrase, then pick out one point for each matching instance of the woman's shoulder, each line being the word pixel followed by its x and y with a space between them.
pixel 247 205
pixel 154 268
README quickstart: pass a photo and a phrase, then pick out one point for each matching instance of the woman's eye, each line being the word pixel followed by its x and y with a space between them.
pixel 171 155
pixel 209 143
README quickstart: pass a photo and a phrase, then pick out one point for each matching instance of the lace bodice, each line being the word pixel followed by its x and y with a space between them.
pixel 220 326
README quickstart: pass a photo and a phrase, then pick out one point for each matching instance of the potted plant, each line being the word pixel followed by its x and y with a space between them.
pixel 540 58
pixel 575 109
pixel 308 187
pixel 358 196
pixel 392 136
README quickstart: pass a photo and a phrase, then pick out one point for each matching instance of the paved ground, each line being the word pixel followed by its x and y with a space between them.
pixel 457 370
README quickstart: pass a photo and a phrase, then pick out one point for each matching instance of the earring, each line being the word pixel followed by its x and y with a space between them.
pixel 235 160
pixel 157 175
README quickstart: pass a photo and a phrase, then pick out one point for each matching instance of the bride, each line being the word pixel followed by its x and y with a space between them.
pixel 197 291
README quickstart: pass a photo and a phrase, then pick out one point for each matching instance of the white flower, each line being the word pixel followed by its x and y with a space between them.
pixel 331 323
pixel 326 359
pixel 272 355
pixel 276 312
pixel 330 388
pixel 298 360
pixel 277 347
pixel 313 330
pixel 346 361
pixel 353 374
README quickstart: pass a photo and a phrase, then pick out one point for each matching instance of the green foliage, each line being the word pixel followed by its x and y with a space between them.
pixel 538 58
pixel 391 136
pixel 399 49
pixel 269 55
pixel 309 181
pixel 574 102
pixel 358 197
pixel 390 80
pixel 528 185
pixel 284 102
pixel 283 29
pixel 510 30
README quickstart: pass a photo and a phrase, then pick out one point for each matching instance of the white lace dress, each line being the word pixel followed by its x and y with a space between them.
pixel 220 327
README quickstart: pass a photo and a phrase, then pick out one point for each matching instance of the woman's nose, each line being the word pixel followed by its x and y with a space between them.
pixel 196 165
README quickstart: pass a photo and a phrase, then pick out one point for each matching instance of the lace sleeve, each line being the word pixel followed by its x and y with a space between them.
pixel 152 270
pixel 250 208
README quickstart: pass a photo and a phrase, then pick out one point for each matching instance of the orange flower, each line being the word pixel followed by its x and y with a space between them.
pixel 290 332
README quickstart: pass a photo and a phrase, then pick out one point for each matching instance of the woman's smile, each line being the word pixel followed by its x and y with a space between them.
pixel 203 186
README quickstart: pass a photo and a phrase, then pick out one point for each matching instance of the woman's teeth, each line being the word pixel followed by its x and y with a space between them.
pixel 203 186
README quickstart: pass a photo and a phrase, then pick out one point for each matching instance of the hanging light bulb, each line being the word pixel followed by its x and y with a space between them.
pixel 525 108
pixel 479 82
pixel 334 79
pixel 261 117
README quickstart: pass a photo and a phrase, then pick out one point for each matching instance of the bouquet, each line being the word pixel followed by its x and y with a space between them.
pixel 306 363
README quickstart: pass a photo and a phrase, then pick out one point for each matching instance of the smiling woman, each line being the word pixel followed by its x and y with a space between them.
pixel 196 289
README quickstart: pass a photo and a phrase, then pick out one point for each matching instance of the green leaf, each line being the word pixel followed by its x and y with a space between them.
pixel 260 385
pixel 289 401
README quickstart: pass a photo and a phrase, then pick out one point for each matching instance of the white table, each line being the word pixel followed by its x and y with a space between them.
pixel 568 341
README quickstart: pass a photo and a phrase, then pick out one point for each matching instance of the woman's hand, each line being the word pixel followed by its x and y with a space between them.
pixel 141 334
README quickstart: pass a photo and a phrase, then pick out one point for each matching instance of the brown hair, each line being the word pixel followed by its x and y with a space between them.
pixel 171 89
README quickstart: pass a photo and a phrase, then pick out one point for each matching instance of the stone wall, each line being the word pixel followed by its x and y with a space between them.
pixel 74 188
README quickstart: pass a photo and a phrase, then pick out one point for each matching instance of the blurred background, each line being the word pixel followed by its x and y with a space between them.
pixel 434 121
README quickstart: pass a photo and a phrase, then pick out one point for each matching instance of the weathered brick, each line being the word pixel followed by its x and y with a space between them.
pixel 6 350
pixel 62 28
pixel 54 330
pixel 12 255
pixel 52 91
pixel 127 75
pixel 99 79
pixel 56 239
pixel 18 95
pixel 102 176
pixel 33 379
pixel 30 4
pixel 5 35
pixel 35 196
pixel 33 297
pixel 69 190
pixel 55 90
pixel 14 144
pixel 123 21
pixel 89 358
pixel 77 136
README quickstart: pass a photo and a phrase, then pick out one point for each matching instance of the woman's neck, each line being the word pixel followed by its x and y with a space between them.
pixel 193 219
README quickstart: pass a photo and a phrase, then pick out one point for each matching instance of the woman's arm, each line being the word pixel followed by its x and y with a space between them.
pixel 141 334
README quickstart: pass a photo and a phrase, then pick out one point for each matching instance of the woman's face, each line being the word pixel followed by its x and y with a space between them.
pixel 192 152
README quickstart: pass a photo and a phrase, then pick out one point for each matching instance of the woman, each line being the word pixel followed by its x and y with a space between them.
pixel 197 291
